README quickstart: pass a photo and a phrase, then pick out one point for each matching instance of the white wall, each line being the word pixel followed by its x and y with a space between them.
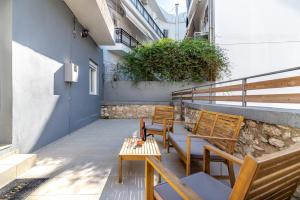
pixel 259 36
pixel 171 27
pixel 110 61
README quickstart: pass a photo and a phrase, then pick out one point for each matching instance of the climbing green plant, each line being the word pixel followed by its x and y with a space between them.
pixel 167 60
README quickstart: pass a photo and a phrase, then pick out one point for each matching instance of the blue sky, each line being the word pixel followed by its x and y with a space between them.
pixel 169 5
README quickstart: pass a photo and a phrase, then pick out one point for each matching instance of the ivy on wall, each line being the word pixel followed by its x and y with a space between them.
pixel 193 60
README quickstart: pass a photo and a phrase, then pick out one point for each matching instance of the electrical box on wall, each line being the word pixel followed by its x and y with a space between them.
pixel 71 72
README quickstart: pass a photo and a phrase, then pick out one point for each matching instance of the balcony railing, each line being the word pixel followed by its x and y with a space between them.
pixel 125 38
pixel 209 92
pixel 139 6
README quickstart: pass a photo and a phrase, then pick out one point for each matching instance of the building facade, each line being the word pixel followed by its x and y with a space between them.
pixel 46 44
pixel 255 39
pixel 41 38
pixel 137 22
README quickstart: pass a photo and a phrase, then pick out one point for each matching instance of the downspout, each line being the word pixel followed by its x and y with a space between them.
pixel 211 18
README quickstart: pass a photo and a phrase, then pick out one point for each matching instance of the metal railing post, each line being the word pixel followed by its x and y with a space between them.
pixel 244 92
pixel 121 35
pixel 193 89
pixel 210 93
pixel 181 108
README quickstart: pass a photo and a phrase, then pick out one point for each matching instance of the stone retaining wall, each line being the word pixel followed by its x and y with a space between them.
pixel 131 111
pixel 126 111
pixel 256 138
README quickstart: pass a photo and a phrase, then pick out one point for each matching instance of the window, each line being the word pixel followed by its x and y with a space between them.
pixel 93 78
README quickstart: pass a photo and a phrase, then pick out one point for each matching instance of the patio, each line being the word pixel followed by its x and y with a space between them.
pixel 84 164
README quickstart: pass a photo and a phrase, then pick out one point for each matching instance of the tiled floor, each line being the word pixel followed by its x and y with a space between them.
pixel 83 165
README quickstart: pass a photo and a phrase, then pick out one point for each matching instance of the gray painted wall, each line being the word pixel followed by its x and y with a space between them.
pixel 5 72
pixel 147 91
pixel 45 108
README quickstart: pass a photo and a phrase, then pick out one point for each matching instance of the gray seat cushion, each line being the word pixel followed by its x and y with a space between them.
pixel 181 137
pixel 207 187
pixel 197 146
pixel 156 127
pixel 197 150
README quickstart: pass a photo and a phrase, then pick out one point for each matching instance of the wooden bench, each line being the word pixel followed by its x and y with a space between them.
pixel 272 177
pixel 162 122
pixel 219 129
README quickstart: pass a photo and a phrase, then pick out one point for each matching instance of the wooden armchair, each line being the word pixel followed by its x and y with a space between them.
pixel 162 122
pixel 219 129
pixel 272 177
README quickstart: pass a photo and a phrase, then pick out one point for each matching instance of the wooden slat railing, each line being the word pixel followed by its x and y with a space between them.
pixel 211 89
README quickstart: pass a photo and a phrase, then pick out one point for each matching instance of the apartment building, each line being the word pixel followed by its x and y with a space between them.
pixel 41 42
pixel 137 22
pixel 52 67
pixel 256 40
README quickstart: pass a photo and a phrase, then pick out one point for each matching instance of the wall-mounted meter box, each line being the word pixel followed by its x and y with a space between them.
pixel 71 72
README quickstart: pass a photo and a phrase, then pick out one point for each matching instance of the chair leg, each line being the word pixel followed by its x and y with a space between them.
pixel 165 140
pixel 188 167
pixel 188 156
pixel 231 173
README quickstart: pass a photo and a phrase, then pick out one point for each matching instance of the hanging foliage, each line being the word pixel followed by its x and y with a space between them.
pixel 193 60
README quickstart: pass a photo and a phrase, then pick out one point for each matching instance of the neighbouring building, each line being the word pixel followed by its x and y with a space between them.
pixel 137 22
pixel 40 42
pixel 259 36
pixel 255 39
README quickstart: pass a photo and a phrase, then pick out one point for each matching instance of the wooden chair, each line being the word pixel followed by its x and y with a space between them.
pixel 219 129
pixel 272 177
pixel 162 122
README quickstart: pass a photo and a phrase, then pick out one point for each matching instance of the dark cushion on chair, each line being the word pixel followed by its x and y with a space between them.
pixel 197 150
pixel 156 127
pixel 181 137
pixel 207 187
pixel 197 145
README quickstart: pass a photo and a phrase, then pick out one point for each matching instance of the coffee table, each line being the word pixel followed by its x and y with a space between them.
pixel 129 152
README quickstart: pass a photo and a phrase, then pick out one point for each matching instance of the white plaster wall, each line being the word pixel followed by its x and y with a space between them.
pixel 171 27
pixel 259 36
pixel 110 61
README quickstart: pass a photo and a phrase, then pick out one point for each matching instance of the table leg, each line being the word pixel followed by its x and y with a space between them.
pixel 120 169
pixel 159 176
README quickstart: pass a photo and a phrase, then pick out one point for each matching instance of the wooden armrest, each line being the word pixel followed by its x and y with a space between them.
pixel 223 154
pixel 184 191
pixel 183 122
pixel 211 137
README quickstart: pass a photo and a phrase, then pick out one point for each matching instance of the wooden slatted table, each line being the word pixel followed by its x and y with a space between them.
pixel 130 152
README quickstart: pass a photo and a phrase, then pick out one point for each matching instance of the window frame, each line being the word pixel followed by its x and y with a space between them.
pixel 93 78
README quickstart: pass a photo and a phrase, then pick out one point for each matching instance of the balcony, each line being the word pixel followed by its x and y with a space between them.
pixel 91 14
pixel 141 9
pixel 121 36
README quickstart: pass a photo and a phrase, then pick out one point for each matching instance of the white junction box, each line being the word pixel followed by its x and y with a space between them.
pixel 71 72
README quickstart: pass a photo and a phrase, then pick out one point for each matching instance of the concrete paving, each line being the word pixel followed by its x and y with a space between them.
pixel 84 165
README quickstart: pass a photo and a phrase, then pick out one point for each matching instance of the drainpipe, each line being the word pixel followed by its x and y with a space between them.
pixel 176 22
pixel 211 18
